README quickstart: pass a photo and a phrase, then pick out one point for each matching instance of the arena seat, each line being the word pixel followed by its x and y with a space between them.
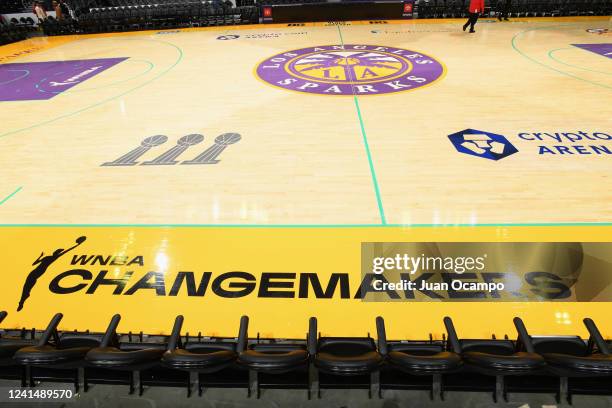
pixel 202 356
pixel 345 357
pixel 13 32
pixel 132 357
pixel 418 359
pixel 572 357
pixel 9 344
pixel 498 358
pixel 274 358
pixel 53 351
pixel 553 363
pixel 101 16
pixel 10 6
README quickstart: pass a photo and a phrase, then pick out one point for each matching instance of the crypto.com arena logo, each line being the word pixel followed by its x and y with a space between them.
pixel 600 31
pixel 350 69
pixel 482 144
pixel 228 37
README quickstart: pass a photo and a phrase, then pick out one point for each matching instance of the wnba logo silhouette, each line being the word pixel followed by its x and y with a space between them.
pixel 42 264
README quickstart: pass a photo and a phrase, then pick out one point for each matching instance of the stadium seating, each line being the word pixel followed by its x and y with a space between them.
pixel 571 357
pixel 276 359
pixel 132 358
pixel 519 8
pixel 10 343
pixel 564 365
pixel 203 356
pixel 98 16
pixel 55 352
pixel 416 358
pixel 10 6
pixel 497 358
pixel 14 31
pixel 131 15
pixel 336 358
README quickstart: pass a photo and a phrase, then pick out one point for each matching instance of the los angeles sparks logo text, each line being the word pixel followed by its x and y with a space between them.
pixel 350 69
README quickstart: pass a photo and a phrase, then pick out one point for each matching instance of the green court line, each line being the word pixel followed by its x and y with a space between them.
pixel 66 115
pixel 381 209
pixel 315 226
pixel 514 46
pixel 364 137
pixel 551 52
pixel 8 197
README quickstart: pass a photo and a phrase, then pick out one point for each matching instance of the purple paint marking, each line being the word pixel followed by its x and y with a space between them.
pixel 350 69
pixel 43 80
pixel 604 49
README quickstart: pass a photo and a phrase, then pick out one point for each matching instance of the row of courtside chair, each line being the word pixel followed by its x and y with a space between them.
pixel 13 32
pixel 166 16
pixel 313 363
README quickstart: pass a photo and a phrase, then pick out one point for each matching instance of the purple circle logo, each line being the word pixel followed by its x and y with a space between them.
pixel 350 70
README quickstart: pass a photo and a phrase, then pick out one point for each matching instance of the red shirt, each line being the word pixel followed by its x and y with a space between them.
pixel 476 6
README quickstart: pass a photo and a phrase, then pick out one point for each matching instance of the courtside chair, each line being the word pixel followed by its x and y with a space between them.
pixel 10 343
pixel 344 357
pixel 202 357
pixel 274 358
pixel 418 359
pixel 497 358
pixel 131 357
pixel 58 352
pixel 571 357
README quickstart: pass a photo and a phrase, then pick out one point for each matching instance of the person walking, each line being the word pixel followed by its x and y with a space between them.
pixel 504 9
pixel 476 7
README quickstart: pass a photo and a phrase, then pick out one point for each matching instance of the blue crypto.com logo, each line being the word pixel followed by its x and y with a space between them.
pixel 228 37
pixel 482 144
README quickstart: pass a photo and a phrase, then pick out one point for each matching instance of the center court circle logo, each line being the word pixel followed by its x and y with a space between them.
pixel 350 69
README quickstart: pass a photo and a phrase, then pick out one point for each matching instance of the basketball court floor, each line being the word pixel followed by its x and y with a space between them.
pixel 309 157
pixel 412 125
